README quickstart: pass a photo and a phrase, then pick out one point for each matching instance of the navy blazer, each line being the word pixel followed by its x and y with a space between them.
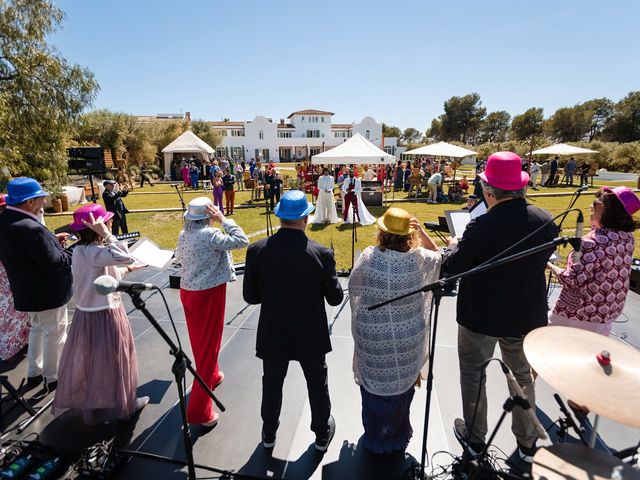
pixel 291 276
pixel 113 202
pixel 39 269
pixel 511 300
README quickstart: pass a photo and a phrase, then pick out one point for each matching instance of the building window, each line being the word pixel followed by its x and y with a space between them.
pixel 261 135
pixel 284 134
pixel 322 119
pixel 303 119
pixel 238 152
pixel 313 133
pixel 367 134
pixel 388 150
pixel 344 134
pixel 237 133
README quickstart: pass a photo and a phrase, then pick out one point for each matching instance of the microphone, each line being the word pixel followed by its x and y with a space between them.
pixel 578 242
pixel 106 284
pixel 583 188
pixel 515 388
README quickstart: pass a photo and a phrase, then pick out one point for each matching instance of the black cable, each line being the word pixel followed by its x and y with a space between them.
pixel 153 456
pixel 175 330
pixel 537 230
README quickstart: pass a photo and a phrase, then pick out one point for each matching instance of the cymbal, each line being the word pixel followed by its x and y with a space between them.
pixel 572 461
pixel 567 359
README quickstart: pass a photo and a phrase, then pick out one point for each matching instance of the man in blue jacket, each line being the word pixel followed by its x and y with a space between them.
pixel 39 272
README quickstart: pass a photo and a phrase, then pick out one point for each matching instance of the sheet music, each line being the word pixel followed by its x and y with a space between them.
pixel 479 209
pixel 148 252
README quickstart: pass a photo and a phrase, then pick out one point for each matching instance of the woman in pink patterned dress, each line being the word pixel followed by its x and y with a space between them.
pixel 594 289
pixel 14 326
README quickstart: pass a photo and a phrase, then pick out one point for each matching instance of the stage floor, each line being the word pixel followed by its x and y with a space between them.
pixel 235 443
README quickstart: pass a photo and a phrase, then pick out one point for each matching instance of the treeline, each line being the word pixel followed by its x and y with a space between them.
pixel 603 124
pixel 134 141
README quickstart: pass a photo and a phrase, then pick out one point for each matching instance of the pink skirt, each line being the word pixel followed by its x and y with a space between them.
pixel 98 373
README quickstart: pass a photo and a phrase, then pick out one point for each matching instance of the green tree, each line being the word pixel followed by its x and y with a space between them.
pixel 568 124
pixel 528 127
pixel 41 94
pixel 495 127
pixel 599 111
pixel 462 117
pixel 435 131
pixel 624 126
pixel 206 133
pixel 106 129
pixel 411 135
pixel 389 131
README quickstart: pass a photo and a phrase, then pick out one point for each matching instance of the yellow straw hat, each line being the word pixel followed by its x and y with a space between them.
pixel 396 221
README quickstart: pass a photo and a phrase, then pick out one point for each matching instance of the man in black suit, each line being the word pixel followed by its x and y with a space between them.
pixel 39 272
pixel 500 305
pixel 113 203
pixel 291 276
pixel 551 181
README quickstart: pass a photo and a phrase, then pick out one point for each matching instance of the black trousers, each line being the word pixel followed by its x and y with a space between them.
pixel 315 372
pixel 119 223
pixel 274 197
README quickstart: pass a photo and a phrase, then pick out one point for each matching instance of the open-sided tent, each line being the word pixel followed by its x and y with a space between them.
pixel 562 149
pixel 355 151
pixel 188 142
pixel 441 149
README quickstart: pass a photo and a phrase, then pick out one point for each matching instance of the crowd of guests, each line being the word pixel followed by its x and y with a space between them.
pixel 288 273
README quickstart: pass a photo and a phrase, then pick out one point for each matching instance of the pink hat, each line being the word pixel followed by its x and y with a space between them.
pixel 504 171
pixel 629 200
pixel 83 214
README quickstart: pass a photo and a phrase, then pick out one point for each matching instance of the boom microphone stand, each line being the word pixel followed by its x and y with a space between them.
pixel 184 207
pixel 437 288
pixel 181 364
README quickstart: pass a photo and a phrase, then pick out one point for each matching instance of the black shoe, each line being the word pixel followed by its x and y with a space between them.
pixel 50 386
pixel 474 448
pixel 268 441
pixel 322 442
pixel 33 382
pixel 527 453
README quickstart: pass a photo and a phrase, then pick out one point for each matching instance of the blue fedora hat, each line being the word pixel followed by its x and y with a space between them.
pixel 22 189
pixel 293 206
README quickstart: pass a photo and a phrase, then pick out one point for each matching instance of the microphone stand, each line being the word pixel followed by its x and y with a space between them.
pixel 184 207
pixel 181 364
pixel 437 288
pixel 572 202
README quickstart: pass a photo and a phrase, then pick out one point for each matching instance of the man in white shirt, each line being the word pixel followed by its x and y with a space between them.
pixel 368 175
pixel 434 182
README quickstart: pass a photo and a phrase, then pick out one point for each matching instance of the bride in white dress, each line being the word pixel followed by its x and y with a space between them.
pixel 364 215
pixel 326 205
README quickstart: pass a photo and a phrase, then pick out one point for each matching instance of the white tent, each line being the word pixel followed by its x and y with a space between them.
pixel 562 149
pixel 357 150
pixel 441 149
pixel 188 142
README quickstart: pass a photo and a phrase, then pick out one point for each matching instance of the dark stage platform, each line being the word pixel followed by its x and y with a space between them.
pixel 235 443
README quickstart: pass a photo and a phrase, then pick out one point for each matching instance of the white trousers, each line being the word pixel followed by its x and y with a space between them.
pixel 46 339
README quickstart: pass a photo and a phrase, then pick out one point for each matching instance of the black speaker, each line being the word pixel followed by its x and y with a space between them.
pixel 87 160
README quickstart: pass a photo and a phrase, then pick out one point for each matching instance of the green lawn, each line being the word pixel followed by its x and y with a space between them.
pixel 163 227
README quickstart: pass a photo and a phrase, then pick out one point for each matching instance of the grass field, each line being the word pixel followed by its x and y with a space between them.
pixel 163 227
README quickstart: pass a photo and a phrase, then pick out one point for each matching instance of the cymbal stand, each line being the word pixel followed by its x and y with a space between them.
pixel 567 422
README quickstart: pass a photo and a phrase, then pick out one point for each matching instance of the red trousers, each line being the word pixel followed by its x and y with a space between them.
pixel 350 199
pixel 204 311
pixel 230 196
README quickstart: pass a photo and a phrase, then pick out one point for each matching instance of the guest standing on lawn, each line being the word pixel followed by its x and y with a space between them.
pixel 228 182
pixel 98 368
pixel 218 188
pixel 207 265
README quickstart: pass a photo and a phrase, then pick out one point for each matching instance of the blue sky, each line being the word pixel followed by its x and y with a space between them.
pixel 396 61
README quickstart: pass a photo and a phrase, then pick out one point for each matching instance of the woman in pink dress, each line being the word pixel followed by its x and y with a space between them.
pixel 14 326
pixel 186 179
pixel 98 374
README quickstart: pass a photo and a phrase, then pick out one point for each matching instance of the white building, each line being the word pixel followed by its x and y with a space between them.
pixel 307 132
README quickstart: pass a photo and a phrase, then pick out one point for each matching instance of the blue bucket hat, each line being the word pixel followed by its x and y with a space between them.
pixel 293 206
pixel 22 189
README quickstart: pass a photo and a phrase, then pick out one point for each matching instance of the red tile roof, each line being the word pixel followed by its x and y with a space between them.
pixel 310 112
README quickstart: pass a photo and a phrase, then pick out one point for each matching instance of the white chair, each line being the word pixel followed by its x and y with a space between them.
pixel 206 185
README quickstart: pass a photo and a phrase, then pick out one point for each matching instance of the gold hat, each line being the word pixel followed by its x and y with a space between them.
pixel 397 221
